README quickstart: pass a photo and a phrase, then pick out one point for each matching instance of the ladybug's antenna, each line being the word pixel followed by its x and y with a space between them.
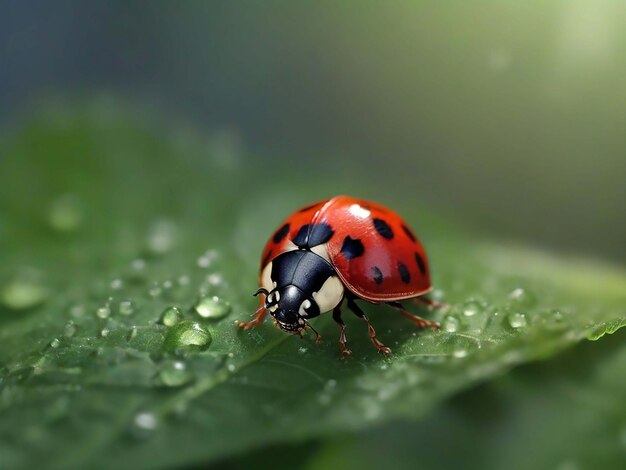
pixel 261 291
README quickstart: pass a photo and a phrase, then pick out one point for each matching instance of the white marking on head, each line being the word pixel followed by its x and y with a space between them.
pixel 329 295
pixel 303 308
pixel 266 277
pixel 359 211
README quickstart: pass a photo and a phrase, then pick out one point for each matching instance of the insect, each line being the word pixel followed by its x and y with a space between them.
pixel 336 250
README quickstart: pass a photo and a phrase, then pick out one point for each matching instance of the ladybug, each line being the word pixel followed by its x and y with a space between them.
pixel 336 250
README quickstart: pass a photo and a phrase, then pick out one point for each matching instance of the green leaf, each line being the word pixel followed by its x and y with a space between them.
pixel 565 413
pixel 106 223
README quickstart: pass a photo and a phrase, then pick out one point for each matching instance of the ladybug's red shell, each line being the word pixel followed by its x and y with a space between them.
pixel 372 249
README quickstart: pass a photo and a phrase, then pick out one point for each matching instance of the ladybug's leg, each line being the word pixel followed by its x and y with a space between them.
pixel 318 337
pixel 361 314
pixel 259 316
pixel 419 321
pixel 342 336
pixel 430 302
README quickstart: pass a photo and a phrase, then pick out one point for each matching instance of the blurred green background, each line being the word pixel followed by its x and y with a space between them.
pixel 508 115
pixel 503 117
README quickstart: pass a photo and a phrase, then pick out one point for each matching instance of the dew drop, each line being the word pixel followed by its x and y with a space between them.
pixel 162 236
pixel 105 332
pixel 302 350
pixel 23 292
pixel 77 311
pixel 167 284
pixel 231 367
pixel 132 334
pixel 55 343
pixel 183 280
pixel 116 284
pixel 138 264
pixel 212 307
pixel 103 312
pixel 126 307
pixel 65 213
pixel 206 259
pixel 174 374
pixel 460 353
pixel 556 316
pixel 155 290
pixel 472 307
pixel 517 320
pixel 215 279
pixel 171 316
pixel 522 298
pixel 451 323
pixel 144 424
pixel 187 335
pixel 70 329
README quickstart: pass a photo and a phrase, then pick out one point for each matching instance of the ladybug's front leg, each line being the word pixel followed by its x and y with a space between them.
pixel 361 314
pixel 419 321
pixel 259 316
pixel 342 336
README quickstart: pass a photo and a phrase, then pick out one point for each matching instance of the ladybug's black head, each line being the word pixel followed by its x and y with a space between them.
pixel 290 306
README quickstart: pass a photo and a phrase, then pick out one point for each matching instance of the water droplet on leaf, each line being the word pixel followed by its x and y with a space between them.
pixel 69 329
pixel 212 307
pixel 517 320
pixel 472 307
pixel 460 353
pixel 522 298
pixel 126 307
pixel 162 236
pixel 132 334
pixel 155 290
pixel 206 259
pixel 187 335
pixel 138 264
pixel 144 424
pixel 451 323
pixel 66 213
pixel 171 316
pixel 26 290
pixel 174 374
pixel 103 312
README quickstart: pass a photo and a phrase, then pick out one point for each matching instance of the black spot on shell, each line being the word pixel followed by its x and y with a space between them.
pixel 311 235
pixel 420 263
pixel 409 233
pixel 383 229
pixel 352 248
pixel 281 233
pixel 377 275
pixel 405 275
